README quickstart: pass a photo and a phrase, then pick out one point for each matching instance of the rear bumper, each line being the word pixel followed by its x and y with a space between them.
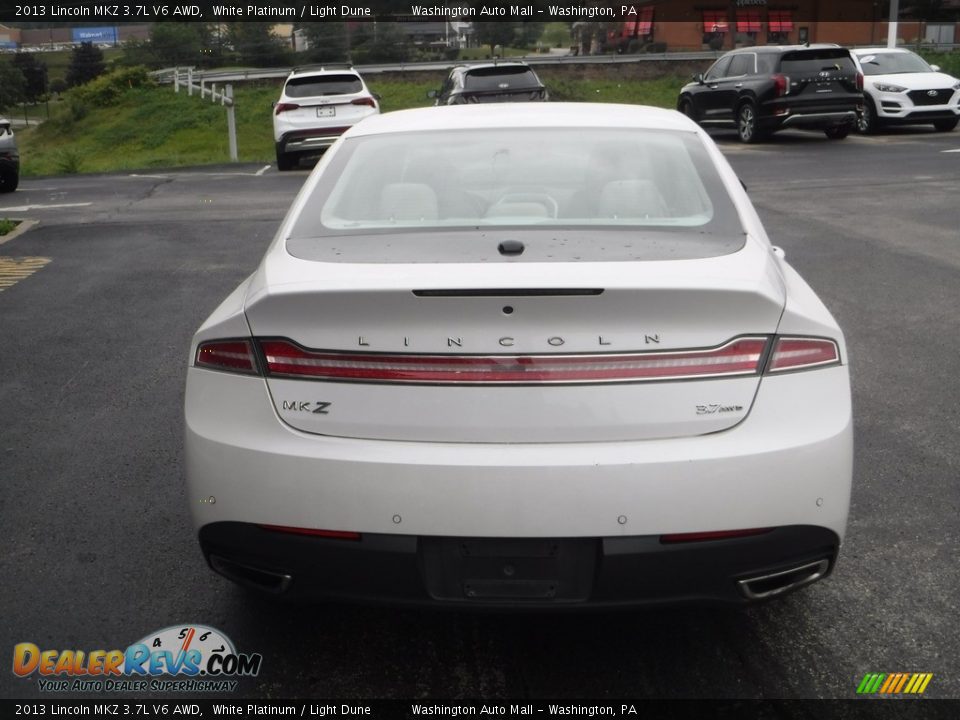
pixel 809 119
pixel 787 465
pixel 605 572
pixel 310 139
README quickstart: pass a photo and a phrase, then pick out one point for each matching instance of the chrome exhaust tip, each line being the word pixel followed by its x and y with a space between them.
pixel 765 586
pixel 257 578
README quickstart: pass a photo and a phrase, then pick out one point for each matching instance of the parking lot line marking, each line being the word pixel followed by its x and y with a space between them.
pixel 15 269
pixel 25 208
pixel 954 150
pixel 262 170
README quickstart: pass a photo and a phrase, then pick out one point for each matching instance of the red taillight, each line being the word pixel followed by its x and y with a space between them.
pixel 737 357
pixel 859 81
pixel 231 355
pixel 332 534
pixel 791 353
pixel 368 101
pixel 781 85
pixel 283 107
pixel 712 535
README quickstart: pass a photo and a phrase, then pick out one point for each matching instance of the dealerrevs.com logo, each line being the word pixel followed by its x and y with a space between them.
pixel 180 658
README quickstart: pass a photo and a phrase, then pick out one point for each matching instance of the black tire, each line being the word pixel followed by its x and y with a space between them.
pixel 837 133
pixel 686 107
pixel 946 125
pixel 286 161
pixel 747 128
pixel 9 180
pixel 867 119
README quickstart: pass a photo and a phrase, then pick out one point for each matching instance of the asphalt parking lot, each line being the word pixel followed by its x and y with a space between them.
pixel 104 294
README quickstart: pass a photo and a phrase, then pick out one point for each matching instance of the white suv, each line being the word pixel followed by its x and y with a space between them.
pixel 900 87
pixel 317 105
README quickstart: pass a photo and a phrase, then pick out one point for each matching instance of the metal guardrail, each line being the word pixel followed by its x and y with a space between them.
pixel 242 74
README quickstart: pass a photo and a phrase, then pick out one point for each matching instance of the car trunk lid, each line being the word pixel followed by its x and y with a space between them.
pixel 600 352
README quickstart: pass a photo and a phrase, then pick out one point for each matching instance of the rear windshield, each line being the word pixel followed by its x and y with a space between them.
pixel 811 62
pixel 499 78
pixel 312 86
pixel 414 184
pixel 893 63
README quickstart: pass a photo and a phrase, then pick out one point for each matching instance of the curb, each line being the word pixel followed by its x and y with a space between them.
pixel 23 227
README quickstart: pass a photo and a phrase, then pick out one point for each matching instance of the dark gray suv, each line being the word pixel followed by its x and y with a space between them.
pixel 9 158
pixel 490 83
pixel 764 89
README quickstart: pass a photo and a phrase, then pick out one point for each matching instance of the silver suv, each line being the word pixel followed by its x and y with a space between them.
pixel 9 158
pixel 318 104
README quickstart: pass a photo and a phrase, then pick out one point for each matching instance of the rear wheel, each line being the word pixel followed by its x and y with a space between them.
pixel 9 180
pixel 747 124
pixel 867 119
pixel 946 125
pixel 286 161
pixel 837 133
pixel 686 107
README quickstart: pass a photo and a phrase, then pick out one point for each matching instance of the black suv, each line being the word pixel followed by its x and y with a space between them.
pixel 490 83
pixel 764 89
pixel 9 159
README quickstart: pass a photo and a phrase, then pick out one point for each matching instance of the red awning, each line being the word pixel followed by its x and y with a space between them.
pixel 780 21
pixel 715 21
pixel 748 21
pixel 645 25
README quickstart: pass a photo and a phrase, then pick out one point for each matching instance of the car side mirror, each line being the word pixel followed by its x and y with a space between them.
pixel 935 68
pixel 778 251
pixel 698 78
pixel 432 94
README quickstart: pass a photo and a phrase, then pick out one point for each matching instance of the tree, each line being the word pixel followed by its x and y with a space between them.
pixel 86 63
pixel 12 85
pixel 379 43
pixel 495 33
pixel 35 73
pixel 172 44
pixel 529 33
pixel 256 45
pixel 328 41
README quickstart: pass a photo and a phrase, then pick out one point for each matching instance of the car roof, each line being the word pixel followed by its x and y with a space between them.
pixel 523 115
pixel 878 50
pixel 784 48
pixel 329 68
pixel 506 63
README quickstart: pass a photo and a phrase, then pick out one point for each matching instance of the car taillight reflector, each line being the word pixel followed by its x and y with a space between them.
pixel 711 535
pixel 232 355
pixel 332 534
pixel 790 353
pixel 859 81
pixel 737 357
pixel 283 107
pixel 781 85
pixel 368 101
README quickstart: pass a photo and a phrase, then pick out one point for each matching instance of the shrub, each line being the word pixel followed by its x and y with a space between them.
pixel 107 89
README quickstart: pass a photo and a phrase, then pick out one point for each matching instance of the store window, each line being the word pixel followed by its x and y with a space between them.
pixel 748 27
pixel 715 27
pixel 779 27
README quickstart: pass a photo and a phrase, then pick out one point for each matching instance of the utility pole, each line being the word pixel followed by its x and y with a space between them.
pixel 892 23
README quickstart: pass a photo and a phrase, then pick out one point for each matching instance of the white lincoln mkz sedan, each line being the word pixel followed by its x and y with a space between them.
pixel 521 356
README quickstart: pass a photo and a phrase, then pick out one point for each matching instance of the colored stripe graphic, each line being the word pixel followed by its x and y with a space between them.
pixel 894 683
pixel 15 269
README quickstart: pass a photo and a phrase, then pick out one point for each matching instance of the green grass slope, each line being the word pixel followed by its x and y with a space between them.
pixel 123 123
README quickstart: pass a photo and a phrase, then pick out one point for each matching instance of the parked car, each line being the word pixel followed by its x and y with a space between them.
pixel 490 83
pixel 316 106
pixel 902 88
pixel 9 158
pixel 521 356
pixel 764 89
